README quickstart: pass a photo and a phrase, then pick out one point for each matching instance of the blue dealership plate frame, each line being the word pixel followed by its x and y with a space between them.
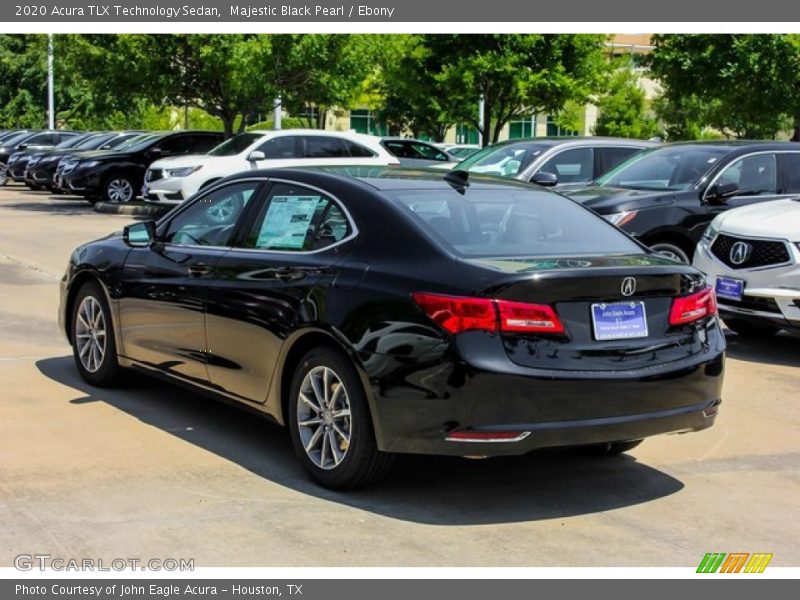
pixel 619 321
pixel 730 288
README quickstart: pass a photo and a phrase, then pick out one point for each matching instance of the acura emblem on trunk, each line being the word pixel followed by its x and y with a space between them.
pixel 740 252
pixel 628 286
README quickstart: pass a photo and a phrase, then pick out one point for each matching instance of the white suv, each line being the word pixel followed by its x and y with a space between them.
pixel 173 180
pixel 752 257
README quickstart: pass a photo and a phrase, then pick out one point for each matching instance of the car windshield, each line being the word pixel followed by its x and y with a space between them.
pixel 673 168
pixel 75 141
pixel 236 145
pixel 121 141
pixel 507 160
pixel 16 139
pixel 138 143
pixel 512 222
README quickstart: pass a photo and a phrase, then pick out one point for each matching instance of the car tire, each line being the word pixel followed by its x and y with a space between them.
pixel 94 347
pixel 671 250
pixel 118 189
pixel 613 448
pixel 3 174
pixel 751 330
pixel 335 442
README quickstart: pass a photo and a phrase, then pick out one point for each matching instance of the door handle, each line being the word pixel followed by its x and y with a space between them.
pixel 198 270
pixel 288 274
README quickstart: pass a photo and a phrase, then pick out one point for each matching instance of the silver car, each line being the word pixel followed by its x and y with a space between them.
pixel 563 161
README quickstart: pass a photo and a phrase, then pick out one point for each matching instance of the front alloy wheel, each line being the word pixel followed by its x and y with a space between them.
pixel 119 189
pixel 92 336
pixel 3 174
pixel 330 423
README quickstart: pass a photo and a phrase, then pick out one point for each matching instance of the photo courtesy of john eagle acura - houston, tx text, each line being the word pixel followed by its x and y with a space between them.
pixel 380 310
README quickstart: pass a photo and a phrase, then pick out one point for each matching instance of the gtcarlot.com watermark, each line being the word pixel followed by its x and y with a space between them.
pixel 43 562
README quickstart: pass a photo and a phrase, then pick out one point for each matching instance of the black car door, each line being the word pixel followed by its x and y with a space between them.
pixel 164 286
pixel 273 280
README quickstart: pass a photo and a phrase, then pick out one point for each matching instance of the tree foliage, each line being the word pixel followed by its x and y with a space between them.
pixel 623 108
pixel 743 85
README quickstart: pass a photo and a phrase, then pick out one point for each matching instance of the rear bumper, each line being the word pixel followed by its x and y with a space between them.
pixel 417 411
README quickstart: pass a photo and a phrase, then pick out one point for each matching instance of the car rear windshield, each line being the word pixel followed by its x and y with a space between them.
pixel 675 168
pixel 236 145
pixel 512 223
pixel 507 160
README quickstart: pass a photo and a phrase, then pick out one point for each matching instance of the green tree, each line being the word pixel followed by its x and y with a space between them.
pixel 515 74
pixel 743 85
pixel 623 108
pixel 412 98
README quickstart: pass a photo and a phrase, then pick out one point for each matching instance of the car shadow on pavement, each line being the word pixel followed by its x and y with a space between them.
pixel 420 489
pixel 46 202
pixel 782 349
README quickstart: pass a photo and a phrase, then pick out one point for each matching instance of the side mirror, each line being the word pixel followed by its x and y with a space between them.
pixel 545 179
pixel 255 156
pixel 156 151
pixel 720 192
pixel 22 147
pixel 140 235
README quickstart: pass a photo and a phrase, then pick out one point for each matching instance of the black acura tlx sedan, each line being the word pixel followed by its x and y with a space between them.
pixel 383 310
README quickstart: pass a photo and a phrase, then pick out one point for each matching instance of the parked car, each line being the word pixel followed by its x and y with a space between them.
pixel 416 153
pixel 459 151
pixel 19 161
pixel 667 196
pixel 752 256
pixel 22 141
pixel 118 175
pixel 377 310
pixel 172 180
pixel 43 165
pixel 564 162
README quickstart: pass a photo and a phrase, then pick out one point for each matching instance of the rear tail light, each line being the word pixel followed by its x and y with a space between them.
pixel 459 313
pixel 524 317
pixel 687 309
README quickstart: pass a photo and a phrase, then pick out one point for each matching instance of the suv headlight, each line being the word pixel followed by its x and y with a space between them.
pixel 182 172
pixel 709 234
pixel 621 218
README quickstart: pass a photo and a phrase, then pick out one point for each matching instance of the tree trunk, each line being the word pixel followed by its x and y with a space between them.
pixel 796 135
pixel 227 123
pixel 487 133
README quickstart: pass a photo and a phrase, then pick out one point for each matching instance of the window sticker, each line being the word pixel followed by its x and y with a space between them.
pixel 287 221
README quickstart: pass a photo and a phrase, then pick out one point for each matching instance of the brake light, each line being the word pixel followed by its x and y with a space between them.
pixel 687 309
pixel 524 317
pixel 459 313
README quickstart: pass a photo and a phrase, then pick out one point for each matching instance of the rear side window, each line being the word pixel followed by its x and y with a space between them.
pixel 298 219
pixel 789 165
pixel 512 223
pixel 280 147
pixel 606 159
pixel 357 150
pixel 325 147
pixel 571 166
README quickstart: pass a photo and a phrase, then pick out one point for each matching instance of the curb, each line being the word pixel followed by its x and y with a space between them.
pixel 136 209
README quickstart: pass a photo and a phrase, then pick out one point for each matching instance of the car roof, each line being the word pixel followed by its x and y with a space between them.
pixel 582 140
pixel 385 178
pixel 738 144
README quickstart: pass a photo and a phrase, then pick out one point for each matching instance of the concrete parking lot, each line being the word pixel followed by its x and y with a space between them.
pixel 152 471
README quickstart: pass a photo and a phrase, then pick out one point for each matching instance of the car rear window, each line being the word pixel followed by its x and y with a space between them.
pixel 512 222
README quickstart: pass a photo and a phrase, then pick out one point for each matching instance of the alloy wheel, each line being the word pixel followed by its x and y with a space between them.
pixel 323 417
pixel 90 334
pixel 221 212
pixel 3 174
pixel 120 190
